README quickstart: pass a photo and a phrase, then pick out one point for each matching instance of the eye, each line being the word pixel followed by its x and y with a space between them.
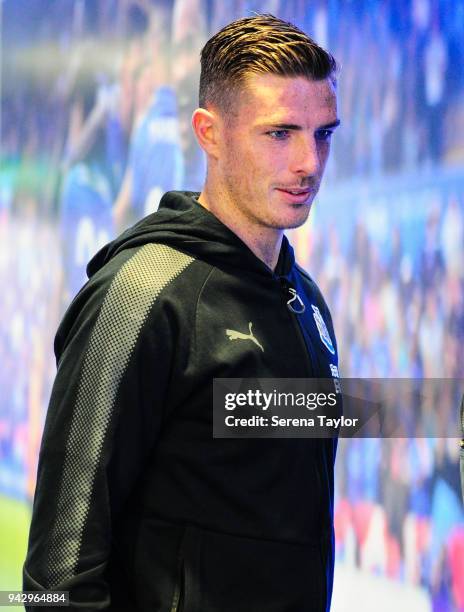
pixel 324 135
pixel 279 134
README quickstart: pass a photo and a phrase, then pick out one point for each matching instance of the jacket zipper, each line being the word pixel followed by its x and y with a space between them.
pixel 310 361
pixel 294 316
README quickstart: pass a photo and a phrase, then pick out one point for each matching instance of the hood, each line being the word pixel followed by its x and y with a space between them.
pixel 183 223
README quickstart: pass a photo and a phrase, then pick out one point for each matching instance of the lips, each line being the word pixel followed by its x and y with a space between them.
pixel 296 196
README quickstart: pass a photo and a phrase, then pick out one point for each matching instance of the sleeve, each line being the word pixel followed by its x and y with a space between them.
pixel 102 423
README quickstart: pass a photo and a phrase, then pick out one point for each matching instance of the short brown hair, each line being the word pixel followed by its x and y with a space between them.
pixel 262 44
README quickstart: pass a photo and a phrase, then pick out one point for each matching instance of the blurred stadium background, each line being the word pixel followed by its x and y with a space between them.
pixel 96 99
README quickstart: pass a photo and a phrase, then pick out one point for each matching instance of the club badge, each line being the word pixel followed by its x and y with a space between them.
pixel 322 328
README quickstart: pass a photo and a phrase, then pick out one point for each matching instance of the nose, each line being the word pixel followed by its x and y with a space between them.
pixel 306 156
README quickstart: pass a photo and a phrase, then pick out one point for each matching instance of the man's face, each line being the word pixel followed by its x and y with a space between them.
pixel 273 151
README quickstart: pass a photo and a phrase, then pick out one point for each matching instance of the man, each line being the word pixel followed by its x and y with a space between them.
pixel 137 506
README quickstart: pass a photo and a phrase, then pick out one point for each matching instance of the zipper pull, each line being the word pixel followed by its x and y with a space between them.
pixel 299 307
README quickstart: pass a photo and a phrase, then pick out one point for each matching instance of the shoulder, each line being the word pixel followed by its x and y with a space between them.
pixel 136 285
pixel 149 268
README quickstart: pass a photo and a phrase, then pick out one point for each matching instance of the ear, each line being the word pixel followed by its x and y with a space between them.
pixel 205 125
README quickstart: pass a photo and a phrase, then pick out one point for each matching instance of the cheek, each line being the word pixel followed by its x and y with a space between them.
pixel 247 166
pixel 268 164
pixel 234 155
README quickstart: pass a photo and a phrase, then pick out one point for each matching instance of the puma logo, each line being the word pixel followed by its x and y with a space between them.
pixel 236 335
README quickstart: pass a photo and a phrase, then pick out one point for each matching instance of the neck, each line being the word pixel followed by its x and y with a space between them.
pixel 264 242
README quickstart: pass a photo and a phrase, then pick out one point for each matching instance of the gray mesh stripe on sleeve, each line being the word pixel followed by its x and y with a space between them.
pixel 125 308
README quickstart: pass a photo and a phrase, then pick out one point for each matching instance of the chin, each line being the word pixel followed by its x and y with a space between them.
pixel 287 225
pixel 295 220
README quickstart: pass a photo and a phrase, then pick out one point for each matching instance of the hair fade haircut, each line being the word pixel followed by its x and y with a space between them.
pixel 262 44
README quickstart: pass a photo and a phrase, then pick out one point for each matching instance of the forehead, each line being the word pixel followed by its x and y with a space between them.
pixel 271 98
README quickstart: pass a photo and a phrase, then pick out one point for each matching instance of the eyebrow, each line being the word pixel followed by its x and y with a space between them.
pixel 294 126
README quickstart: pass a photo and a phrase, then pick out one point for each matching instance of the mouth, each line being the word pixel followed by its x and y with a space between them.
pixel 296 195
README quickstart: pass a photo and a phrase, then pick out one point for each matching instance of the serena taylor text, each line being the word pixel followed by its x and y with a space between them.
pixel 276 421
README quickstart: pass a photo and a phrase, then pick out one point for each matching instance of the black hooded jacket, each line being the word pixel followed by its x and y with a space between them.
pixel 137 506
